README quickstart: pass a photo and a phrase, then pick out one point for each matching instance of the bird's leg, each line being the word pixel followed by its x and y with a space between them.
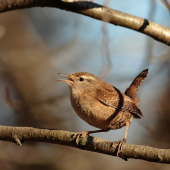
pixel 120 143
pixel 124 139
pixel 86 133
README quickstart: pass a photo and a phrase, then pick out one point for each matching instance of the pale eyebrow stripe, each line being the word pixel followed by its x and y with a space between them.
pixel 88 77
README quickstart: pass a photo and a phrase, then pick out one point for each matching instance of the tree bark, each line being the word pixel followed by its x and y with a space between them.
pixel 96 11
pixel 19 135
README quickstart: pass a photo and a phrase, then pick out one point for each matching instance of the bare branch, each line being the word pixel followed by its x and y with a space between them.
pixel 23 134
pixel 95 11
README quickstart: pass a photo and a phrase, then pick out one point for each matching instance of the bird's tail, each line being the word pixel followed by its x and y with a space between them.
pixel 133 88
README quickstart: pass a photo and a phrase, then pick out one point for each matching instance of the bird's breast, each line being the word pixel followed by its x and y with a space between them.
pixel 94 112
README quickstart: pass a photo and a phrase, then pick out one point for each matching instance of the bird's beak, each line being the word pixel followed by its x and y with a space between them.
pixel 67 81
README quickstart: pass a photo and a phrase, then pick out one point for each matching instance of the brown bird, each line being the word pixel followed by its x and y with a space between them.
pixel 102 105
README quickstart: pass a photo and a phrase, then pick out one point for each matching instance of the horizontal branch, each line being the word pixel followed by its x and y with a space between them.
pixel 95 11
pixel 19 135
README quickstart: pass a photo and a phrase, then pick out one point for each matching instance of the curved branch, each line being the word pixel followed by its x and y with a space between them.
pixel 23 134
pixel 95 11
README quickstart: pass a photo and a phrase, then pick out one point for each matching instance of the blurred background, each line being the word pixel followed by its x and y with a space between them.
pixel 38 43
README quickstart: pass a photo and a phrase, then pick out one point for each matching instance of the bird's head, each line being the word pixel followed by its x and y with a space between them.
pixel 81 81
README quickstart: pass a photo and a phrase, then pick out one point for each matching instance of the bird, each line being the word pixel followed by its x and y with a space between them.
pixel 102 105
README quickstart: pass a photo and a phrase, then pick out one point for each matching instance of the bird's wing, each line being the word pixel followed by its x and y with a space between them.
pixel 111 96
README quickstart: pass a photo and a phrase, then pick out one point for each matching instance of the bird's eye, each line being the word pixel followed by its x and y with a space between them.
pixel 81 78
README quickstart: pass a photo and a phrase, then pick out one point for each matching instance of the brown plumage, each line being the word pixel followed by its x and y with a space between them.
pixel 102 105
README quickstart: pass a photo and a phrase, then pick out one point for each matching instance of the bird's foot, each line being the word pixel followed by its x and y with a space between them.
pixel 80 134
pixel 119 146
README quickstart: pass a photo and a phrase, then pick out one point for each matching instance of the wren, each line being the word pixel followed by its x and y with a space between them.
pixel 102 105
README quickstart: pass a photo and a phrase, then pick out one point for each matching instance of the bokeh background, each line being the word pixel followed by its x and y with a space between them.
pixel 38 43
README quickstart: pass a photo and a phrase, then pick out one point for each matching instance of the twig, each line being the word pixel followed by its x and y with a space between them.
pixel 95 11
pixel 19 135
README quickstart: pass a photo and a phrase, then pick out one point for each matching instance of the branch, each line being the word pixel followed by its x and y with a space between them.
pixel 95 11
pixel 19 135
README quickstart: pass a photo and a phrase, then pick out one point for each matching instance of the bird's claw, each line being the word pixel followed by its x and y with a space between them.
pixel 80 134
pixel 119 146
